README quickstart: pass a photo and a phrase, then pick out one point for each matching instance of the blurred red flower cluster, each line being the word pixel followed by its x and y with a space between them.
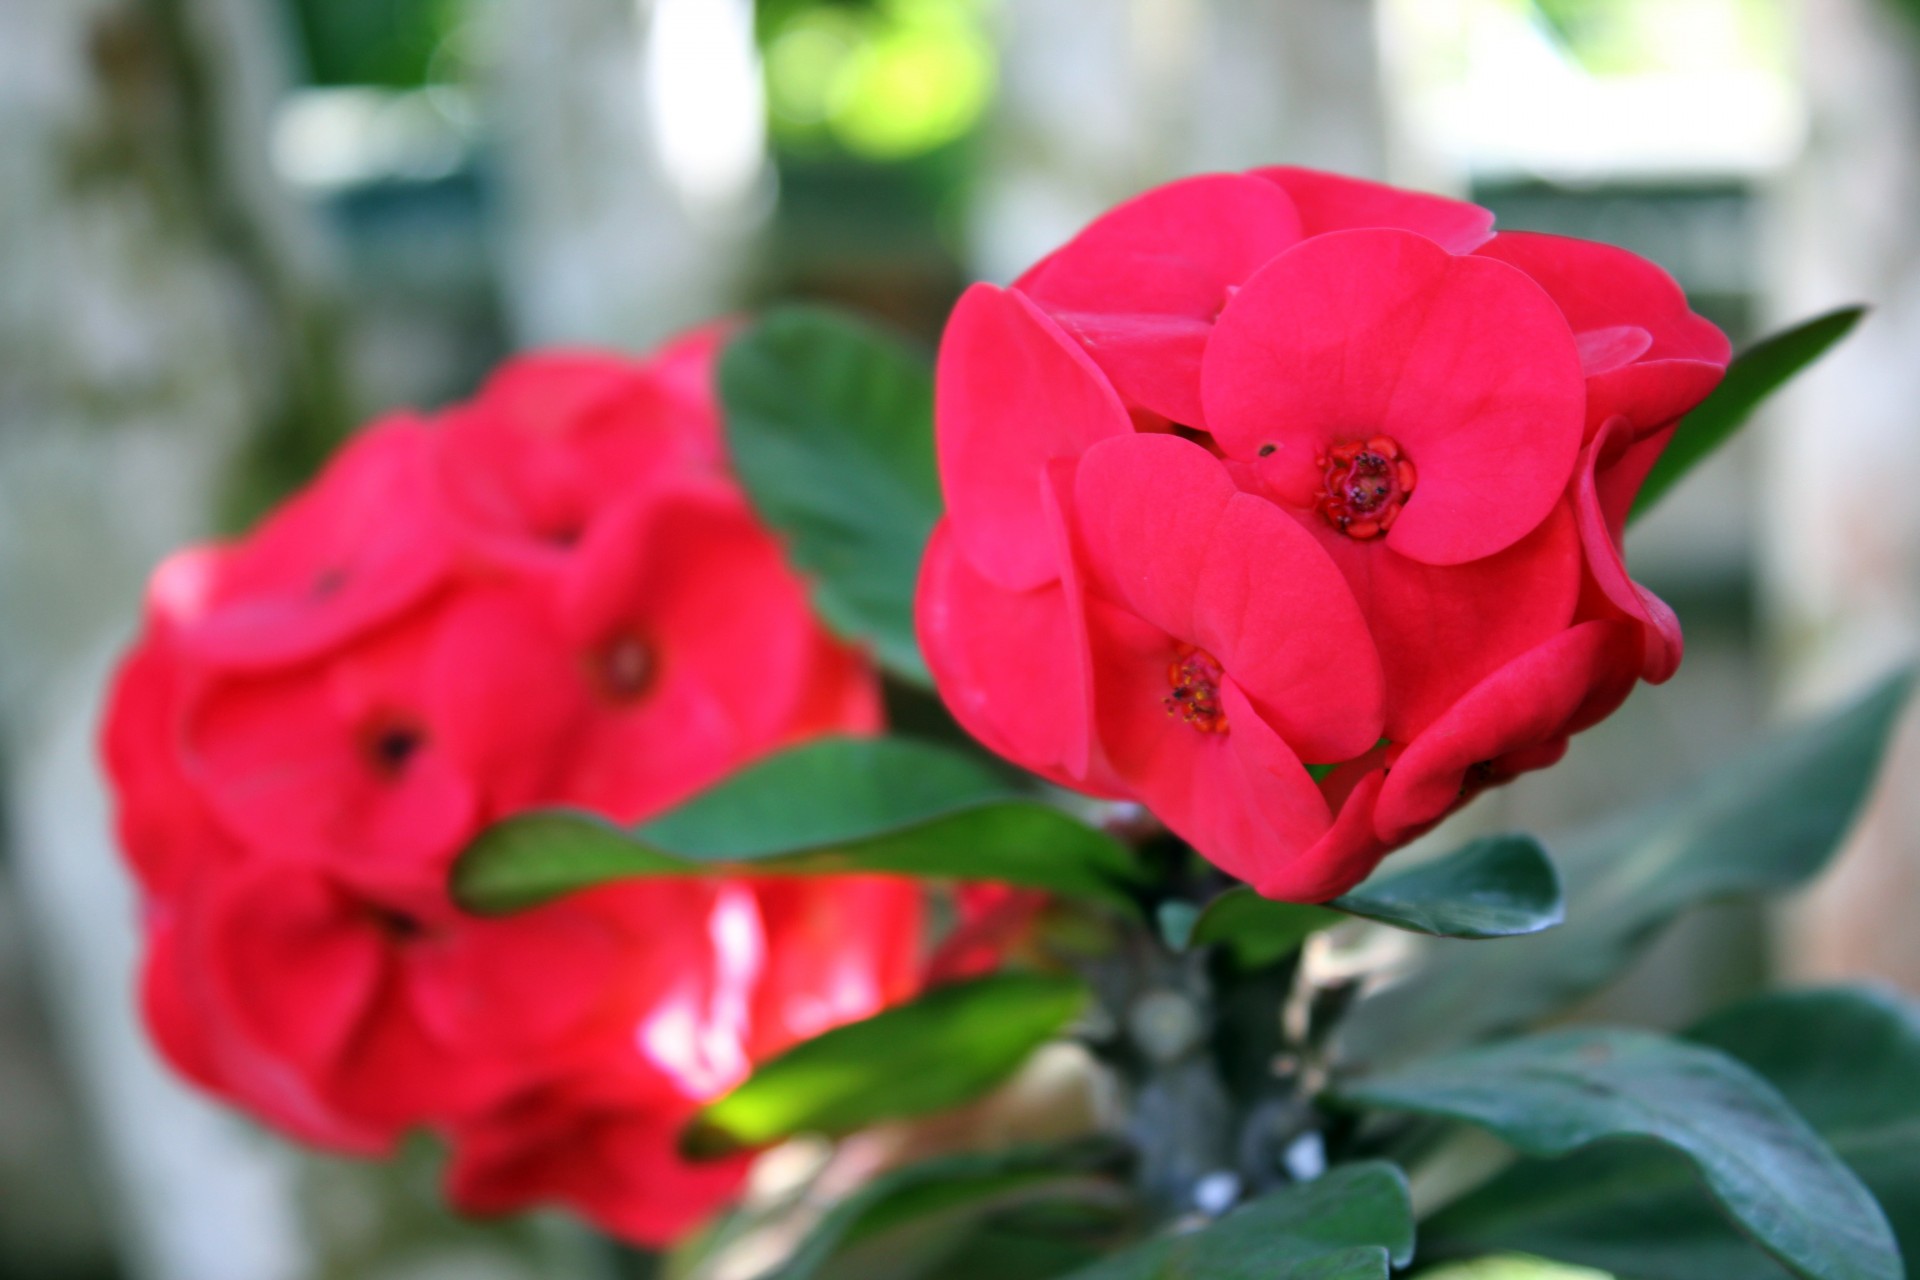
pixel 1291 505
pixel 552 594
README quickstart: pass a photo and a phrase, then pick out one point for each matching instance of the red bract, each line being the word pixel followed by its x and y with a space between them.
pixel 552 594
pixel 1279 470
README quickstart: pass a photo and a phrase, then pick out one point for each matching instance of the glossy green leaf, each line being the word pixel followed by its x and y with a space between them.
pixel 949 1046
pixel 837 805
pixel 930 1211
pixel 1755 374
pixel 1498 887
pixel 1553 1094
pixel 1848 1061
pixel 830 426
pixel 1764 822
pixel 1353 1223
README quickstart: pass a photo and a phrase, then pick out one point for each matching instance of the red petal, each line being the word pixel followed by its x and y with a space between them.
pixel 365 541
pixel 192 1021
pixel 166 831
pixel 838 949
pixel 1013 393
pixel 509 694
pixel 1534 702
pixel 1332 202
pixel 1441 629
pixel 727 633
pixel 1169 535
pixel 1009 664
pixel 1126 282
pixel 1241 798
pixel 616 1165
pixel 1152 360
pixel 1600 287
pixel 514 986
pixel 289 763
pixel 1606 561
pixel 1339 859
pixel 558 439
pixel 294 966
pixel 1466 363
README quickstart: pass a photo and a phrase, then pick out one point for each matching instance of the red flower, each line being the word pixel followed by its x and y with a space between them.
pixel 1389 541
pixel 552 594
pixel 1142 286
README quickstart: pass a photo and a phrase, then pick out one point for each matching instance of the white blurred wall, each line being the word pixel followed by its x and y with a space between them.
pixel 133 360
pixel 631 140
pixel 1100 99
pixel 1840 519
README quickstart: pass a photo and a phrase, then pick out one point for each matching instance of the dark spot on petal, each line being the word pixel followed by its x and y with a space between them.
pixel 392 745
pixel 623 667
pixel 397 925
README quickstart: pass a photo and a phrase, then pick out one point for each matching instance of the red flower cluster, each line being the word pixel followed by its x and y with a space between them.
pixel 553 594
pixel 1278 470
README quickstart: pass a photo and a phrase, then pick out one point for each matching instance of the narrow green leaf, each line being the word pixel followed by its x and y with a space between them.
pixel 1550 1095
pixel 1848 1061
pixel 1350 1224
pixel 1498 887
pixel 1755 374
pixel 833 806
pixel 948 1047
pixel 1764 822
pixel 940 1202
pixel 830 425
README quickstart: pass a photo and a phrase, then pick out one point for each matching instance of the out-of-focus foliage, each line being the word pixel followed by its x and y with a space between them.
pixel 1626 37
pixel 881 80
pixel 394 44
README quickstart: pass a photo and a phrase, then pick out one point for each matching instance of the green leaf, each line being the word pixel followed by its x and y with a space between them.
pixel 948 1047
pixel 1351 1224
pixel 933 1208
pixel 1848 1061
pixel 1497 887
pixel 833 806
pixel 1257 930
pixel 1762 823
pixel 1552 1094
pixel 830 425
pixel 1755 374
pixel 1506 1267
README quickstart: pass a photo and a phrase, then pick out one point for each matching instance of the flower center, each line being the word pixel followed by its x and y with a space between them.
pixel 391 743
pixel 1195 675
pixel 1367 483
pixel 398 926
pixel 623 667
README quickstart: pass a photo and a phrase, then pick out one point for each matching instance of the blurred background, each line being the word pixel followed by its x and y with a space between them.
pixel 232 229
